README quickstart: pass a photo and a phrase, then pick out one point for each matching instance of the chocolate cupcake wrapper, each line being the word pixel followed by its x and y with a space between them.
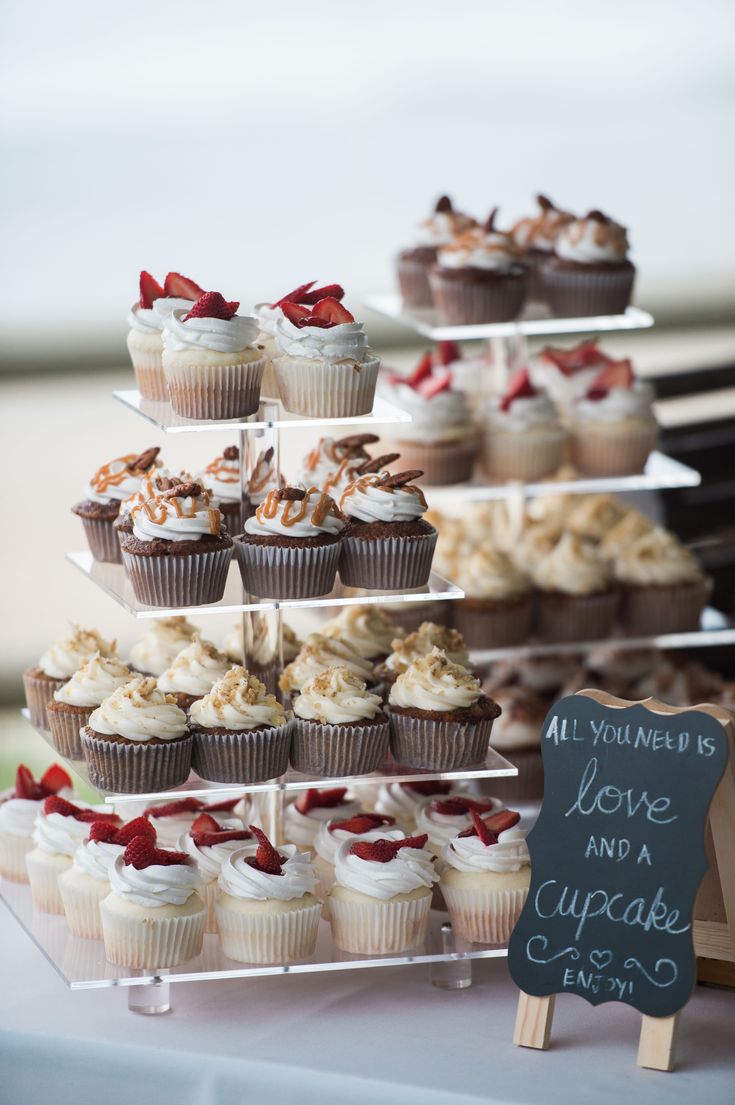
pixel 39 693
pixel 65 729
pixel 573 293
pixel 242 757
pixel 282 572
pixel 652 611
pixel 282 937
pixel 443 463
pixel 102 539
pixel 190 579
pixel 82 906
pixel 522 456
pixel 215 391
pixel 622 453
pixel 464 303
pixel 332 750
pixel 438 745
pixel 13 852
pixel 320 389
pixel 136 768
pixel 575 617
pixel 387 563
pixel 413 282
pixel 483 916
pixel 526 786
pixel 378 927
pixel 149 374
pixel 493 625
pixel 153 942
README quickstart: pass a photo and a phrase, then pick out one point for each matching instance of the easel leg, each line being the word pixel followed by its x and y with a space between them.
pixel 658 1042
pixel 533 1021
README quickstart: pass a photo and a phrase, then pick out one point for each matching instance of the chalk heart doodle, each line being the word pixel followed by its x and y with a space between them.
pixel 617 854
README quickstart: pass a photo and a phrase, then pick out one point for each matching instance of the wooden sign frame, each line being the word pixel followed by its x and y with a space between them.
pixel 713 939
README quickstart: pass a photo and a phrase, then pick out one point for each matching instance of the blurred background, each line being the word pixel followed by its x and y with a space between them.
pixel 254 148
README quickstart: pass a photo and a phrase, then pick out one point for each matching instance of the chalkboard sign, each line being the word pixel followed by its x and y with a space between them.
pixel 617 854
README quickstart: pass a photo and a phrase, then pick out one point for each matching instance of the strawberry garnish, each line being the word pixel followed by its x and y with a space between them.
pixel 225 806
pixel 447 352
pixel 170 809
pixel 296 296
pixel 421 372
pixel 212 305
pixel 433 786
pixel 294 313
pixel 111 834
pixel 329 291
pixel 616 374
pixel 150 290
pixel 220 836
pixel 105 832
pixel 205 823
pixel 519 387
pixel 181 287
pixel 490 829
pixel 457 805
pixel 54 804
pixel 266 859
pixel 333 311
pixel 482 830
pixel 141 852
pixel 504 819
pixel 26 786
pixel 581 356
pixel 55 779
pixel 313 799
pixel 434 385
pixel 362 823
pixel 383 851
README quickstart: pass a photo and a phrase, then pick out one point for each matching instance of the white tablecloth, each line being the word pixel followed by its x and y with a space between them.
pixel 352 1037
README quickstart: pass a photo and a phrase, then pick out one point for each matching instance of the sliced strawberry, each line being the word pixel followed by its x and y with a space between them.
pixel 483 831
pixel 569 361
pixel 434 385
pixel 294 313
pixel 519 387
pixel 181 287
pixel 54 804
pixel 150 290
pixel 220 837
pixel 595 395
pixel 447 352
pixel 421 372
pixel 170 809
pixel 296 296
pixel 141 852
pixel 225 806
pixel 504 819
pixel 139 826
pixel 104 832
pixel 55 779
pixel 313 799
pixel 212 305
pixel 317 321
pixel 616 374
pixel 332 310
pixel 266 858
pixel 329 291
pixel 433 786
pixel 362 823
pixel 205 823
pixel 458 804
pixel 25 785
pixel 383 851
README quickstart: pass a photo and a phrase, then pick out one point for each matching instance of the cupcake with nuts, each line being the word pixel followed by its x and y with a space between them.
pixel 222 478
pixel 590 272
pixel 146 320
pixel 536 235
pixel 56 667
pixel 160 645
pixel 613 428
pixel 628 529
pixel 368 629
pixel 330 463
pixel 72 705
pixel 592 516
pixel 193 672
pixel 317 654
pixel 664 589
pixel 577 598
pixel 406 650
pixel 111 484
pixel 523 437
pixel 498 608
pixel 340 727
pixel 415 262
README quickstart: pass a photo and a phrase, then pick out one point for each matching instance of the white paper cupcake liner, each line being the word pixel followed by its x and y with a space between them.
pixel 151 942
pixel 387 563
pixel 13 852
pixel 189 579
pixel 241 757
pixel 283 937
pixel 135 768
pixel 332 750
pixel 483 916
pixel 285 572
pixel 622 453
pixel 325 873
pixel 375 927
pixel 149 374
pixel 102 539
pixel 438 745
pixel 43 875
pixel 561 617
pixel 320 389
pixel 522 456
pixel 39 693
pixel 82 906
pixel 215 392
pixel 64 728
pixel 209 893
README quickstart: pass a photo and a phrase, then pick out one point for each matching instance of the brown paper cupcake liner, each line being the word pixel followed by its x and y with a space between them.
pixel 492 623
pixel 653 611
pixel 438 745
pixel 135 768
pixel 332 750
pixel 39 693
pixel 207 391
pixel 613 454
pixel 562 617
pixel 526 786
pixel 522 456
pixel 241 757
pixel 413 282
pixel 442 462
pixel 464 303
pixel 191 579
pixel 149 374
pixel 102 539
pixel 574 293
pixel 321 389
pixel 387 563
pixel 285 572
pixel 410 615
pixel 64 728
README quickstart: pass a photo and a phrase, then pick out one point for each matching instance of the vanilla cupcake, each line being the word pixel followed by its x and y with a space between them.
pixel 57 665
pixel 332 833
pixel 160 645
pixel 209 843
pixel 616 540
pixel 498 608
pixel 72 705
pixel 402 800
pixel 241 733
pixel 567 374
pixel 268 314
pixel 304 817
pixel 442 818
pixel 317 654
pixel 613 428
pixel 405 650
pixel 146 321
pixel 664 587
pixel 523 437
pixel 590 273
pixel 60 826
pixel 19 809
pixel 367 628
pixel 536 235
pixel 340 727
pixel 194 672
pixel 594 515
pixel 222 477
pixel 577 599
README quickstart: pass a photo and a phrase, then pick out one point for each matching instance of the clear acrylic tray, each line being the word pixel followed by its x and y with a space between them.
pixel 111 578
pixel 426 323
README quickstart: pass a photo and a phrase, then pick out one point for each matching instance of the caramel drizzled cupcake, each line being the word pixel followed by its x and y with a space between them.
pixel 340 726
pixel 664 587
pixel 329 464
pixel 498 609
pixel 157 480
pixel 368 629
pixel 193 672
pixel 108 488
pixel 57 665
pixel 536 235
pixel 428 636
pixel 577 599
pixel 414 263
pixel 72 705
pixel 590 273
pixel 222 478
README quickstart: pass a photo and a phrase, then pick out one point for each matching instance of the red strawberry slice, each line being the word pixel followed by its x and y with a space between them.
pixel 596 394
pixel 25 785
pixel 581 356
pixel 317 321
pixel 170 809
pixel 150 290
pixel 329 291
pixel 333 311
pixel 504 819
pixel 205 823
pixel 434 385
pixel 181 287
pixel 220 837
pixel 139 826
pixel 296 296
pixel 457 805
pixel 313 799
pixel 519 387
pixel 616 374
pixel 212 305
pixel 448 351
pixel 141 852
pixel 480 827
pixel 383 851
pixel 55 779
pixel 362 823
pixel 433 786
pixel 225 806
pixel 104 832
pixel 266 859
pixel 421 372
pixel 54 804
pixel 294 313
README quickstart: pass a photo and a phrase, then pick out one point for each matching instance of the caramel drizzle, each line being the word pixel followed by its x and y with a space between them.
pixel 262 473
pixel 364 482
pixel 157 510
pixel 223 471
pixel 104 477
pixel 295 510
pixel 335 477
pixel 312 459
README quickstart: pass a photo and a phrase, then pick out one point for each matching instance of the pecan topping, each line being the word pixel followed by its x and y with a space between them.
pixel 166 483
pixel 356 441
pixel 290 494
pixel 231 453
pixel 183 490
pixel 489 225
pixel 143 462
pixel 375 464
pixel 401 478
pixel 598 216
pixel 443 205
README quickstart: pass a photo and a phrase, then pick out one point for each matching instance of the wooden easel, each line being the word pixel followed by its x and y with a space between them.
pixel 713 938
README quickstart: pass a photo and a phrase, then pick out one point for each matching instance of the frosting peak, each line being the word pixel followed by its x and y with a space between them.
pixel 593 239
pixel 238 701
pixel 435 683
pixel 195 669
pixel 574 567
pixel 293 512
pixel 319 653
pixel 62 659
pixel 422 641
pixel 139 711
pixel 97 678
pixel 367 628
pixel 337 696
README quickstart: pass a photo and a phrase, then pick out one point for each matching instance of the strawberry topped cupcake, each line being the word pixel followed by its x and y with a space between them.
pixel 402 800
pixel 329 464
pixel 590 272
pixel 567 374
pixel 442 818
pixel 414 263
pixel 212 362
pixel 268 314
pixel 536 235
pixel 303 818
pixel 111 484
pixel 332 833
pixel 19 809
pixel 323 363
pixel 146 320
pixel 59 827
pixel 172 819
pixel 222 478
pixel 523 437
pixel 209 844
pixel 613 427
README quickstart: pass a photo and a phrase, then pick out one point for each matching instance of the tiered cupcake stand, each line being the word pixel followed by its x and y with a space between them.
pixel 81 963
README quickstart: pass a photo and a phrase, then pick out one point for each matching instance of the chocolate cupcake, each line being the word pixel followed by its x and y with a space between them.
pixel 577 598
pixel 193 672
pixel 664 587
pixel 177 554
pixel 222 477
pixel 70 708
pixel 368 629
pixel 340 727
pixel 57 665
pixel 414 263
pixel 330 464
pixel 498 609
pixel 110 485
pixel 536 236
pixel 263 479
pixel 137 741
pixel 420 643
pixel 590 273
pixel 291 545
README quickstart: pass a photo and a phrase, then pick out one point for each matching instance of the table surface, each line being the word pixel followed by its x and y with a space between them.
pixel 354 1037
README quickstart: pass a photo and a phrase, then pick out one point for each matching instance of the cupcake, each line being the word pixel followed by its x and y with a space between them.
pixel 267 316
pixel 380 901
pixel 267 910
pixel 523 437
pixel 332 833
pixel 420 643
pixel 303 818
pixel 160 645
pixel 324 366
pixel 628 529
pixel 146 321
pixel 317 654
pixel 498 608
pixel 386 544
pixel 594 515
pixel 291 545
pixel 479 277
pixel 414 263
pixel 153 917
pixel 441 439
pixel 613 428
pixel 402 800
pixel 222 478
pixel 172 819
pixel 577 599
pixel 209 844
pixel 340 727
pixel 158 480
pixel 178 554
pixel 108 488
pixel 193 672
pixel 137 741
pixel 590 273
pixel 567 374
pixel 440 819
pixel 72 705
pixel 536 236
pixel 83 885
pixel 263 479
pixel 622 665
pixel 368 629
pixel 439 717
pixel 241 733
pixel 517 736
pixel 19 809
pixel 543 674
pixel 56 667
pixel 329 464
pixel 485 878
pixel 664 587
pixel 59 827
pixel 261 656
pixel 680 683
pixel 535 544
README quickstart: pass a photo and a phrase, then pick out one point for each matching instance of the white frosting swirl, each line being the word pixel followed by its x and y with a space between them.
pixel 312 516
pixel 367 628
pixel 222 478
pixel 369 501
pixel 489 573
pixel 151 320
pixel 574 567
pixel 657 558
pixel 410 869
pixel 267 315
pixel 96 857
pixel 328 839
pixel 63 658
pixel 541 231
pixel 177 519
pixel 435 683
pixel 239 702
pixel 97 678
pixel 337 697
pixel 468 853
pixel 591 241
pixel 619 404
pixel 195 669
pixel 56 834
pixel 240 880
pixel 221 335
pixel 319 653
pixel 154 886
pixel 442 827
pixel 441 417
pixel 210 857
pixel 139 711
pixel 525 412
pixel 347 341
pixel 480 249
pixel 301 828
pixel 422 641
pixel 18 815
pixel 161 644
pixel 115 481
